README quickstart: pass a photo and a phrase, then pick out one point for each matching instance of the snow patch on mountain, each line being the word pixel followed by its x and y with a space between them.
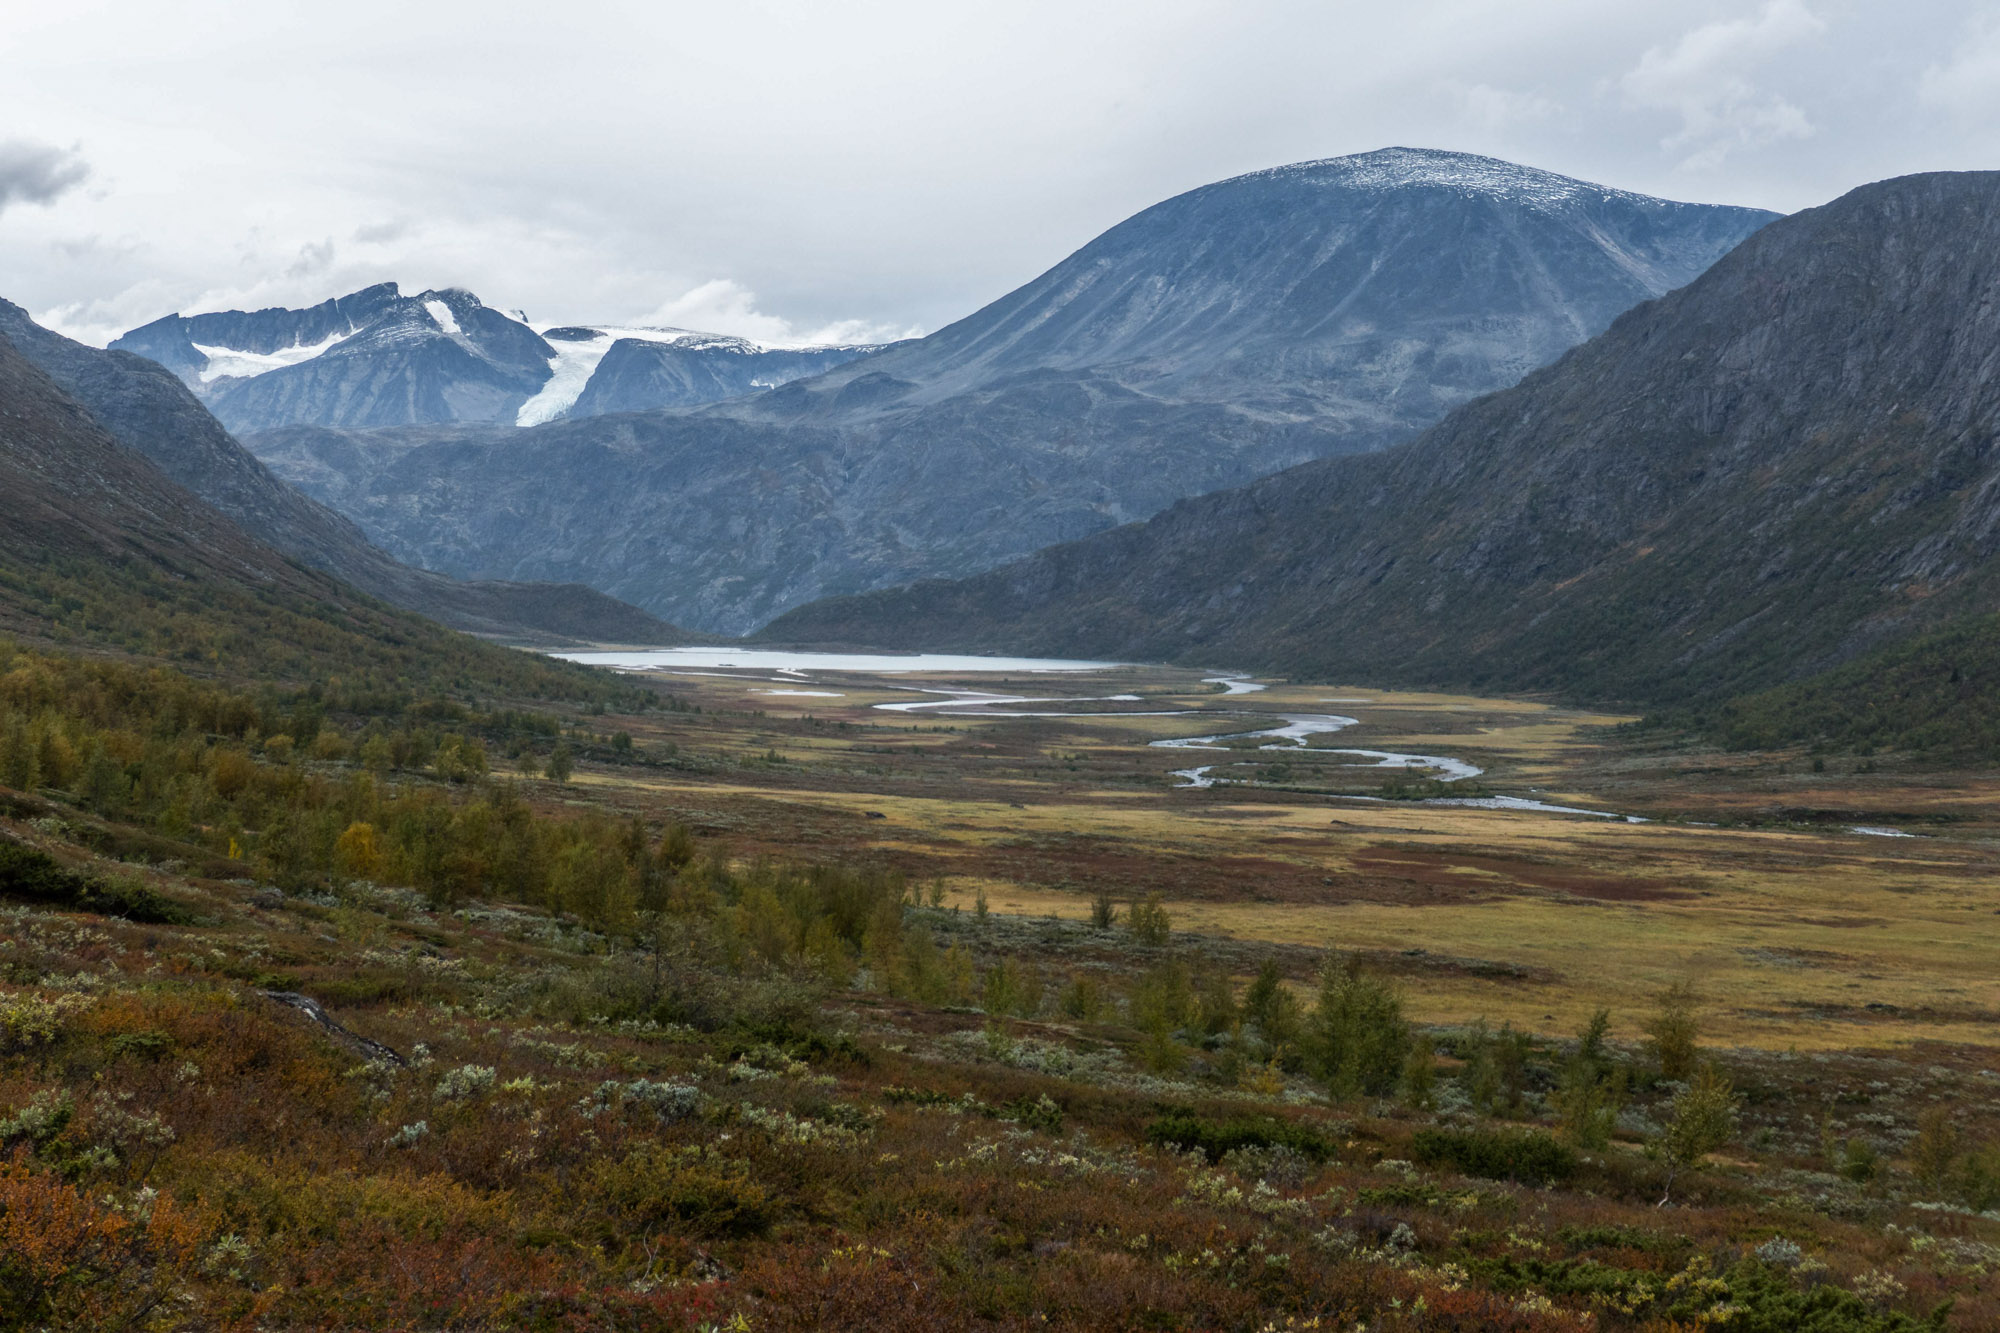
pixel 579 347
pixel 1466 174
pixel 229 363
pixel 441 312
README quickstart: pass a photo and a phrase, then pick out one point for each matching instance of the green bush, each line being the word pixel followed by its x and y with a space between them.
pixel 1213 1139
pixel 38 877
pixel 1534 1158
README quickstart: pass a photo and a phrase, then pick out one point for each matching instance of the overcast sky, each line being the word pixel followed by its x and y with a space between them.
pixel 853 168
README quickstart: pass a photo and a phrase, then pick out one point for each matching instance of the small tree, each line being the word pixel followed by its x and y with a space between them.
pixel 358 852
pixel 1704 1118
pixel 1083 998
pixel 1420 1074
pixel 1510 1060
pixel 1358 1034
pixel 1149 923
pixel 1591 1050
pixel 1269 1005
pixel 561 763
pixel 1481 1075
pixel 1937 1148
pixel 104 787
pixel 1675 1031
pixel 1103 912
pixel 1591 1090
pixel 1589 1101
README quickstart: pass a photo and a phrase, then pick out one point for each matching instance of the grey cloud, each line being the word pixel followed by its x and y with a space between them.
pixel 314 257
pixel 33 173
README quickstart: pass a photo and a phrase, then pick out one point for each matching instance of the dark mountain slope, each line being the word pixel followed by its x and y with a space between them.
pixel 1758 476
pixel 149 410
pixel 1236 330
pixel 99 550
pixel 1937 695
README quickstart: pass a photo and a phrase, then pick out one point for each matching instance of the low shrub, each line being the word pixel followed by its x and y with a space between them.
pixel 694 1191
pixel 1214 1139
pixel 28 1020
pixel 1622 1238
pixel 1532 1158
pixel 38 877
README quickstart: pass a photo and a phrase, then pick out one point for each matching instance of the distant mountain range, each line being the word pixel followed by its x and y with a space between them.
pixel 144 408
pixel 1790 464
pixel 378 358
pixel 1321 309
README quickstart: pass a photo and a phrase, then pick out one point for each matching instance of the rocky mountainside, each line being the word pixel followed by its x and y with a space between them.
pixel 1375 291
pixel 374 358
pixel 1792 460
pixel 145 408
pixel 1327 308
pixel 638 371
pixel 378 358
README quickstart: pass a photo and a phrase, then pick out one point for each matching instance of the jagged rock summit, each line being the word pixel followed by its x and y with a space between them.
pixel 378 358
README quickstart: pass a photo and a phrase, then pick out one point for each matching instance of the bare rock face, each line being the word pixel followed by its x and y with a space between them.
pixel 1789 461
pixel 639 374
pixel 378 358
pixel 1327 308
pixel 372 358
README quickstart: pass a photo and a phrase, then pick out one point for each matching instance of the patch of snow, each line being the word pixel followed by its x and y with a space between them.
pixel 569 373
pixel 1466 174
pixel 442 314
pixel 1876 831
pixel 228 363
pixel 576 361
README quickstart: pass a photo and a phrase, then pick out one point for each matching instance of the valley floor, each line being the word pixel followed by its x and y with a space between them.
pixel 1752 876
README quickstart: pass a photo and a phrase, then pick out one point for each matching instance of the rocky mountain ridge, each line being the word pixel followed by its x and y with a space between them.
pixel 1241 328
pixel 379 358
